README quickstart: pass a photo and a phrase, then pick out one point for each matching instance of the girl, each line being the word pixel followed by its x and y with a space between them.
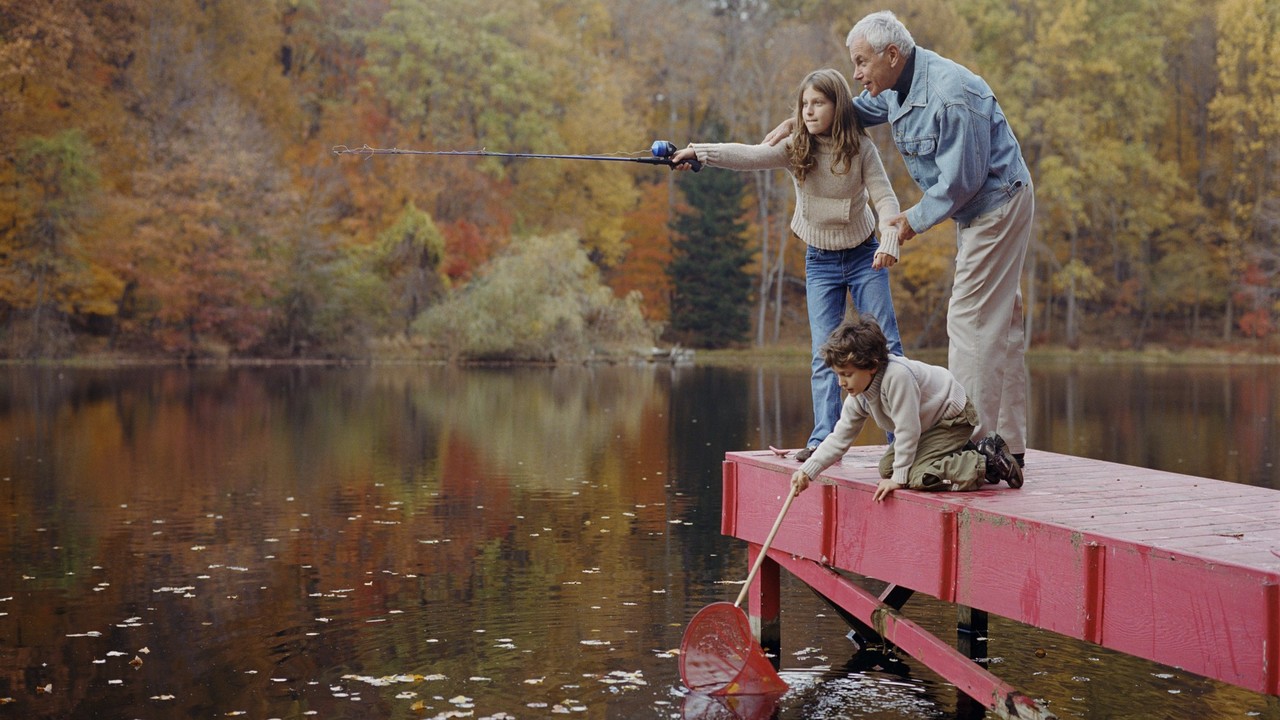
pixel 835 170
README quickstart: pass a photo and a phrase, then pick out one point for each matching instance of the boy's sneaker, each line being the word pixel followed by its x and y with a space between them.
pixel 806 453
pixel 1001 464
pixel 972 446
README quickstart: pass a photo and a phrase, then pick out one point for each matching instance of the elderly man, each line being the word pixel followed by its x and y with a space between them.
pixel 958 147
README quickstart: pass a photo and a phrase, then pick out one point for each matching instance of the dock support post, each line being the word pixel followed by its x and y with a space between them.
pixel 971 641
pixel 764 606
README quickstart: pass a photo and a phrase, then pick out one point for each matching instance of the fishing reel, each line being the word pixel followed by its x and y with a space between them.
pixel 665 149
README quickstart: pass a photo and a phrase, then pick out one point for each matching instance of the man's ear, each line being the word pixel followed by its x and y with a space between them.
pixel 894 54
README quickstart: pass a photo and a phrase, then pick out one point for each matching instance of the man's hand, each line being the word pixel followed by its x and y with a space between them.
pixel 905 232
pixel 799 481
pixel 884 490
pixel 882 261
pixel 780 133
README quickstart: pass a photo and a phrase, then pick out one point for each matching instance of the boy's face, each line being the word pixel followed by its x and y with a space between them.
pixel 853 380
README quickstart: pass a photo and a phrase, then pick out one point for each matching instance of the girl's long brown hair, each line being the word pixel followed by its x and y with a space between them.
pixel 846 131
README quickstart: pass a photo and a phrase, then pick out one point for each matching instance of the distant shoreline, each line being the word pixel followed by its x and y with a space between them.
pixel 766 357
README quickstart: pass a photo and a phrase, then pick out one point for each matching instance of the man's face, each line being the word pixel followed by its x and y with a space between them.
pixel 875 72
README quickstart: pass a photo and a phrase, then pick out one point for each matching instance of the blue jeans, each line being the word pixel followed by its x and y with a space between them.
pixel 830 275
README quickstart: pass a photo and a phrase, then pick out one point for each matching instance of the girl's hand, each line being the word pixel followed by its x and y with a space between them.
pixel 883 261
pixel 682 159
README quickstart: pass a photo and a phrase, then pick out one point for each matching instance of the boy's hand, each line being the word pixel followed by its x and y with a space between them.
pixel 799 481
pixel 884 490
pixel 883 260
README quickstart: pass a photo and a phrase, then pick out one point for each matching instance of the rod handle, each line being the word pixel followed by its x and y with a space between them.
pixel 666 148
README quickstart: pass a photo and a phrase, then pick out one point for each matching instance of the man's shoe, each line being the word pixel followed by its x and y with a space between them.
pixel 806 453
pixel 1001 464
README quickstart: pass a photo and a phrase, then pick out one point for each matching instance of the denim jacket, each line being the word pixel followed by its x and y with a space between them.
pixel 954 139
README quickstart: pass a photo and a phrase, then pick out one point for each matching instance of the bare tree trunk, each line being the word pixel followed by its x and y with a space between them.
pixel 762 185
pixel 780 281
pixel 1072 331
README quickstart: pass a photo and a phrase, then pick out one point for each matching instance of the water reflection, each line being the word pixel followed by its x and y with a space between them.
pixel 525 542
pixel 1212 421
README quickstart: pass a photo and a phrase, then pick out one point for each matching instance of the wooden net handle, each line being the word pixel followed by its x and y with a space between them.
pixel 764 549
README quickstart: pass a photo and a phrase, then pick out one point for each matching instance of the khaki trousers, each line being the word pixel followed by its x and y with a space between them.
pixel 984 319
pixel 942 463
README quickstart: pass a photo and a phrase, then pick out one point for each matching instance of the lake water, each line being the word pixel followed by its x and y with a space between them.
pixel 428 542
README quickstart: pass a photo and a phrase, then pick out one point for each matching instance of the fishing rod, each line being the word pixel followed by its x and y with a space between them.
pixel 659 154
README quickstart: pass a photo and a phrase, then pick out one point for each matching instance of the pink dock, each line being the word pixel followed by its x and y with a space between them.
pixel 1176 569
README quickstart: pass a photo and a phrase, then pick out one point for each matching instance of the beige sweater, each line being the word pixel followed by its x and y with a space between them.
pixel 831 210
pixel 905 398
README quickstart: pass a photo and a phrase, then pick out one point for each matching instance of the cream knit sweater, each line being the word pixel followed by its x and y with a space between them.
pixel 906 398
pixel 831 210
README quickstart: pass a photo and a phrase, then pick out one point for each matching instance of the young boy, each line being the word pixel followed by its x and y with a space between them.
pixel 925 408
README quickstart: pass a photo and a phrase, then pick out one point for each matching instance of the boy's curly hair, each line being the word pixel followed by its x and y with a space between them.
pixel 858 342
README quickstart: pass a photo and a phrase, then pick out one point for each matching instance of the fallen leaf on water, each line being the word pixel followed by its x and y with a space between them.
pixel 44 689
pixel 136 661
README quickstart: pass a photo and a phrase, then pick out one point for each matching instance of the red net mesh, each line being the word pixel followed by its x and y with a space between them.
pixel 718 655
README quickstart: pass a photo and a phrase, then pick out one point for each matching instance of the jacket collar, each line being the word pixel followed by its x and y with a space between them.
pixel 919 93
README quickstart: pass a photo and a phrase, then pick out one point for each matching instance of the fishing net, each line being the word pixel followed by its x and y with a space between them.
pixel 719 655
pixel 700 706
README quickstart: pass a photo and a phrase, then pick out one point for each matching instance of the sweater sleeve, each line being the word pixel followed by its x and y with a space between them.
pixel 737 156
pixel 852 417
pixel 900 397
pixel 882 196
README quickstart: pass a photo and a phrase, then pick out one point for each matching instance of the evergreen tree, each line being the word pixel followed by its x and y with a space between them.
pixel 711 290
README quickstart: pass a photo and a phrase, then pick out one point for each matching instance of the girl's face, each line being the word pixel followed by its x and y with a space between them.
pixel 818 111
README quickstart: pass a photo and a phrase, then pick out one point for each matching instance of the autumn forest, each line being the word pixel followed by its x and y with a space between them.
pixel 169 186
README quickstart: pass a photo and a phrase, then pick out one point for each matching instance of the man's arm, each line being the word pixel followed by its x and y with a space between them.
pixel 963 158
pixel 871 110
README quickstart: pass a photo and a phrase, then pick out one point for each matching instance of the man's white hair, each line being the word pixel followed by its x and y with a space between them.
pixel 880 30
